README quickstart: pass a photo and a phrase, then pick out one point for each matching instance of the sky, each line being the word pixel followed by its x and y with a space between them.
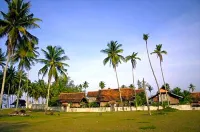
pixel 84 27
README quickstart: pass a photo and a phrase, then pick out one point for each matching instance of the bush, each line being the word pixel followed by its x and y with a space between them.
pixel 54 102
pixel 93 104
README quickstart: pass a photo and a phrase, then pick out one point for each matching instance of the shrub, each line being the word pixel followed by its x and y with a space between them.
pixel 93 104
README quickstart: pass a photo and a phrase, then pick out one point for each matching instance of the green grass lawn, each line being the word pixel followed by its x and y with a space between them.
pixel 179 121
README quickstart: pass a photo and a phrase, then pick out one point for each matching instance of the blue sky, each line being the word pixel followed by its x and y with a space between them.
pixel 84 27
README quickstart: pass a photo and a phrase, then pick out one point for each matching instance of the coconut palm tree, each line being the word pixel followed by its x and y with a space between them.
pixel 114 58
pixel 53 66
pixel 147 99
pixel 25 56
pixel 2 59
pixel 159 52
pixel 133 58
pixel 15 23
pixel 150 88
pixel 123 86
pixel 85 85
pixel 102 84
pixel 166 86
pixel 191 87
pixel 131 86
pixel 145 38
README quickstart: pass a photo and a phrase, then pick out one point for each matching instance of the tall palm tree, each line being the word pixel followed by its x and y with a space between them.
pixel 145 38
pixel 114 58
pixel 15 23
pixel 131 86
pixel 166 86
pixel 147 99
pixel 133 58
pixel 85 85
pixel 191 87
pixel 123 86
pixel 102 84
pixel 53 66
pixel 2 59
pixel 25 56
pixel 159 52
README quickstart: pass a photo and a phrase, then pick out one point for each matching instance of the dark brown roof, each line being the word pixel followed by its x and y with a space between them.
pixel 107 95
pixel 72 97
pixel 93 94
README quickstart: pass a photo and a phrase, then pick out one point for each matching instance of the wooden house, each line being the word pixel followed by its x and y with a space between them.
pixel 74 99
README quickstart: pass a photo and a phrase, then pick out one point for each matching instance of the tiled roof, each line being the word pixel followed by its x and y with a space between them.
pixel 93 94
pixel 106 95
pixel 72 97
pixel 195 96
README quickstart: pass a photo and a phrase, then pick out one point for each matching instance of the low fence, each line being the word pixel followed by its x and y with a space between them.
pixel 108 109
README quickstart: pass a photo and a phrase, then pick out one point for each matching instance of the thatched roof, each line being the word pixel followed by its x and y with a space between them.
pixel 195 96
pixel 106 95
pixel 72 97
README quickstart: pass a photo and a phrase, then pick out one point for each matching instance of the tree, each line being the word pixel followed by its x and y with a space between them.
pixel 25 56
pixel 177 91
pixel 159 52
pixel 139 84
pixel 14 24
pixel 2 59
pixel 85 85
pixel 123 86
pixel 102 84
pixel 131 86
pixel 114 58
pixel 167 86
pixel 147 99
pixel 133 58
pixel 145 38
pixel 150 88
pixel 191 87
pixel 53 66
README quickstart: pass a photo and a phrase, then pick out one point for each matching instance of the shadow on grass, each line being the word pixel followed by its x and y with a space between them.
pixel 143 122
pixel 12 127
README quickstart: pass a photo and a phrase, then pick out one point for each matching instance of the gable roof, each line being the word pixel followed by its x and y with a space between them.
pixel 170 93
pixel 195 96
pixel 72 97
pixel 93 94
pixel 106 95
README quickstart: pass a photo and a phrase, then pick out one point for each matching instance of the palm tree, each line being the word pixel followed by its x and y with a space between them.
pixel 191 87
pixel 139 84
pixel 102 84
pixel 133 58
pixel 145 38
pixel 14 24
pixel 25 56
pixel 2 59
pixel 158 51
pixel 147 99
pixel 85 85
pixel 166 86
pixel 131 86
pixel 53 65
pixel 114 58
pixel 150 88
pixel 123 86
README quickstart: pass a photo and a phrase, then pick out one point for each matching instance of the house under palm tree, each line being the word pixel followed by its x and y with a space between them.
pixel 173 98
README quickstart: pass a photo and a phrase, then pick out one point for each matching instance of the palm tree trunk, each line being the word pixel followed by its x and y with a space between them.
pixel 147 99
pixel 118 84
pixel 8 95
pixel 20 79
pixel 134 89
pixel 27 91
pixel 47 99
pixel 164 83
pixel 4 77
pixel 153 74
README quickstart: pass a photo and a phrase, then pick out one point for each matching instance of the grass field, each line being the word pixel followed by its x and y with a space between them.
pixel 179 121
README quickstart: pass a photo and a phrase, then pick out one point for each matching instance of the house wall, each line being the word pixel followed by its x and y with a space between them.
pixel 76 105
pixel 173 100
pixel 164 97
pixel 91 99
pixel 102 104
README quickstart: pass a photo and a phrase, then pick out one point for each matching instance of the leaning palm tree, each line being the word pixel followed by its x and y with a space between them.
pixel 14 24
pixel 25 56
pixel 158 51
pixel 150 88
pixel 114 58
pixel 53 66
pixel 147 99
pixel 2 59
pixel 191 87
pixel 102 84
pixel 133 58
pixel 145 38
